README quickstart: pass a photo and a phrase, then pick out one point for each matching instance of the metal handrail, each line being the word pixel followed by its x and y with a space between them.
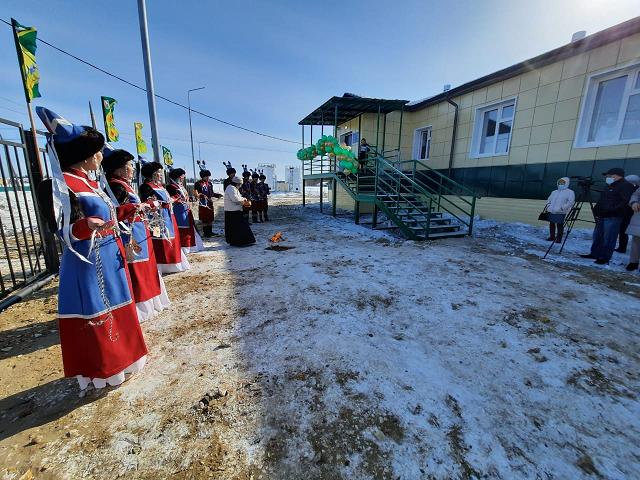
pixel 430 196
pixel 402 191
pixel 448 200
pixel 449 179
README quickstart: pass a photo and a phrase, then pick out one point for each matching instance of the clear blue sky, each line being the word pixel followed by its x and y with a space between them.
pixel 265 65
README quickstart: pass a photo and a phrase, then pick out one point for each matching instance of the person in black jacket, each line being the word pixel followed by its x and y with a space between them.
pixel 609 212
pixel 623 238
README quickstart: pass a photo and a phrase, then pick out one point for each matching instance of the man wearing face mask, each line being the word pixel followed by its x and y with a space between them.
pixel 609 212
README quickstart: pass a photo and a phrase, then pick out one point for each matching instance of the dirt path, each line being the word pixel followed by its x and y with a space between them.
pixel 352 355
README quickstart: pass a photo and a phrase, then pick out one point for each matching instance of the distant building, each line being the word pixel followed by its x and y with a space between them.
pixel 282 186
pixel 269 172
pixel 293 176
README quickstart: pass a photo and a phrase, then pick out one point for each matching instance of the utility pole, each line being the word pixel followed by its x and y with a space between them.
pixel 148 74
pixel 193 156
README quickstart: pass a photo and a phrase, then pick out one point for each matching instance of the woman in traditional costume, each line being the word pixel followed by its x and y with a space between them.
pixel 100 334
pixel 204 189
pixel 189 238
pixel 164 234
pixel 148 287
pixel 237 231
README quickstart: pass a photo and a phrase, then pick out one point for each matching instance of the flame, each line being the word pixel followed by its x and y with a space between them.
pixel 277 237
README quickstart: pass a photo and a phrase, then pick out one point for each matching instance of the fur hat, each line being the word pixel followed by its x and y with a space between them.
pixel 176 173
pixel 114 159
pixel 73 143
pixel 88 143
pixel 148 169
pixel 246 173
pixel 230 169
pixel 205 173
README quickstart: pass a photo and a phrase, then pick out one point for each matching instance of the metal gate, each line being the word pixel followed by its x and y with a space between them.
pixel 27 248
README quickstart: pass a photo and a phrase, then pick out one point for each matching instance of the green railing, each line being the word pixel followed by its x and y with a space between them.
pixel 450 195
pixel 410 193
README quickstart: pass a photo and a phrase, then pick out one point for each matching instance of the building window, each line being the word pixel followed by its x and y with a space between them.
pixel 422 143
pixel 346 138
pixel 611 111
pixel 492 132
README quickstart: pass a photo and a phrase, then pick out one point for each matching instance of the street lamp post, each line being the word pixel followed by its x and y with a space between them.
pixel 193 155
pixel 199 154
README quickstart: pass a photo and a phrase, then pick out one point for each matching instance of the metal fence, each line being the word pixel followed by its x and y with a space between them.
pixel 27 249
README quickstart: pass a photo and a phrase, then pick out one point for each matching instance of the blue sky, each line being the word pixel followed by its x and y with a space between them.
pixel 265 65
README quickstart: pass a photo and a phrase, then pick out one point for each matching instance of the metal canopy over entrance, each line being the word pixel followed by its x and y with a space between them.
pixel 338 110
pixel 349 106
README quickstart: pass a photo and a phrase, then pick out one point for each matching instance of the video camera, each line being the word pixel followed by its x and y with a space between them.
pixel 584 182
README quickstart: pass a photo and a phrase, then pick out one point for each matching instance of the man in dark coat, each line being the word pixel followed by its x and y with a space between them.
pixel 205 194
pixel 609 212
pixel 231 172
pixel 255 197
pixel 245 191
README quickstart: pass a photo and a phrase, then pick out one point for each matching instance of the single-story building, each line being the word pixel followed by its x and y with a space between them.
pixel 508 136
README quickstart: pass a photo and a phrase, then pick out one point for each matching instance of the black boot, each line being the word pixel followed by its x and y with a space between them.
pixel 632 266
pixel 254 218
pixel 266 217
pixel 208 231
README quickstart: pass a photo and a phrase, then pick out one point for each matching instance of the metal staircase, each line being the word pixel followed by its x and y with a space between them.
pixel 420 201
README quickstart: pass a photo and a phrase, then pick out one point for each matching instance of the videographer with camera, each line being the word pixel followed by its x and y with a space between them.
pixel 609 212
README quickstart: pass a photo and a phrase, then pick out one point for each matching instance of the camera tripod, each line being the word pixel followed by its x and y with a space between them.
pixel 574 213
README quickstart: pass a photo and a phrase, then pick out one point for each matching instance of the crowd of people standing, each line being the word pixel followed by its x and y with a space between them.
pixel 616 214
pixel 119 238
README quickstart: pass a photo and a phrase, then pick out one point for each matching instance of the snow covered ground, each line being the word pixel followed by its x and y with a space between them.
pixel 357 354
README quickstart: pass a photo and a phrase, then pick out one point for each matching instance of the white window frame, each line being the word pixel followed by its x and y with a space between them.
pixel 477 127
pixel 417 137
pixel 589 101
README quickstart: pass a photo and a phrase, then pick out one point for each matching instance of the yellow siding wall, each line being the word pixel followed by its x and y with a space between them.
pixel 520 210
pixel 548 102
pixel 345 202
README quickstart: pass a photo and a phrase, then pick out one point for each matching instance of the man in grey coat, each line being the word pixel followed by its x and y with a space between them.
pixel 634 230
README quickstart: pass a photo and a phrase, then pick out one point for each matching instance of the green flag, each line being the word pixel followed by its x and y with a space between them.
pixel 108 105
pixel 167 157
pixel 25 38
pixel 141 147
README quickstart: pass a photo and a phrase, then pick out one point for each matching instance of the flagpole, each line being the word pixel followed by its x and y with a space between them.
pixel 148 73
pixel 26 96
pixel 93 117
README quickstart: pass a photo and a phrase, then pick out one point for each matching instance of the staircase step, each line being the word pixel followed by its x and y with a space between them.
pixel 434 221
pixel 459 234
pixel 437 228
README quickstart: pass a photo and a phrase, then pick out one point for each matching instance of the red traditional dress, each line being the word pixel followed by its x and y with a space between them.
pixel 148 287
pixel 189 238
pixel 99 330
pixel 166 241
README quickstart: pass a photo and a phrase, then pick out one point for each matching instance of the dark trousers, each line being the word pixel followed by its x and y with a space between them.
pixel 604 237
pixel 553 227
pixel 623 238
